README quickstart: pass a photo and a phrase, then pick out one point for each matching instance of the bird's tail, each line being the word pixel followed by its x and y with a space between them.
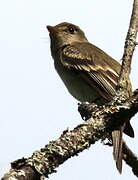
pixel 117 147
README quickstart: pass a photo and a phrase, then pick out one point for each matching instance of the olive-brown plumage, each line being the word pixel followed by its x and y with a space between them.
pixel 88 73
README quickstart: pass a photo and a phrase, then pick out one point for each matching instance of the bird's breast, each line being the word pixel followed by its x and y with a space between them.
pixel 75 84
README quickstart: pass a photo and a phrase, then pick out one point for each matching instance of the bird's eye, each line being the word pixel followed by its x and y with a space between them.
pixel 72 30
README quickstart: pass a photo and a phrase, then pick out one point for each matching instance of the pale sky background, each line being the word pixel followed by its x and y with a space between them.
pixel 35 107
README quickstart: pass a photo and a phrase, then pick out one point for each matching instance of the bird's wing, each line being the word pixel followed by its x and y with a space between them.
pixel 96 67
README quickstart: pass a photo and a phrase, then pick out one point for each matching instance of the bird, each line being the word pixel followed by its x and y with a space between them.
pixel 89 74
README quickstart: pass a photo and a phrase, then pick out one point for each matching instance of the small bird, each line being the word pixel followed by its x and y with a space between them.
pixel 89 74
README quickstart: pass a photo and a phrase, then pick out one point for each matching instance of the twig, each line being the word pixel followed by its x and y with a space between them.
pixel 130 158
pixel 130 44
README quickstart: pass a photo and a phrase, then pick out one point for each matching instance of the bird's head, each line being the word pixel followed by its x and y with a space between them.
pixel 64 34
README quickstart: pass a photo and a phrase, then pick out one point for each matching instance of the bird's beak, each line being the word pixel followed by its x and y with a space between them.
pixel 52 29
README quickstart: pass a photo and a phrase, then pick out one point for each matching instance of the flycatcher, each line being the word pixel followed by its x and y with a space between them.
pixel 89 74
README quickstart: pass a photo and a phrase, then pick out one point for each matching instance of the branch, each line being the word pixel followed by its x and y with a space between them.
pixel 70 143
pixel 129 47
pixel 130 158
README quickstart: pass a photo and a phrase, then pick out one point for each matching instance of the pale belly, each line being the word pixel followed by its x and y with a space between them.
pixel 77 87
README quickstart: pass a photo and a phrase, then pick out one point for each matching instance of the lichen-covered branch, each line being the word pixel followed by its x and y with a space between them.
pixel 130 158
pixel 70 143
pixel 130 44
pixel 24 173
